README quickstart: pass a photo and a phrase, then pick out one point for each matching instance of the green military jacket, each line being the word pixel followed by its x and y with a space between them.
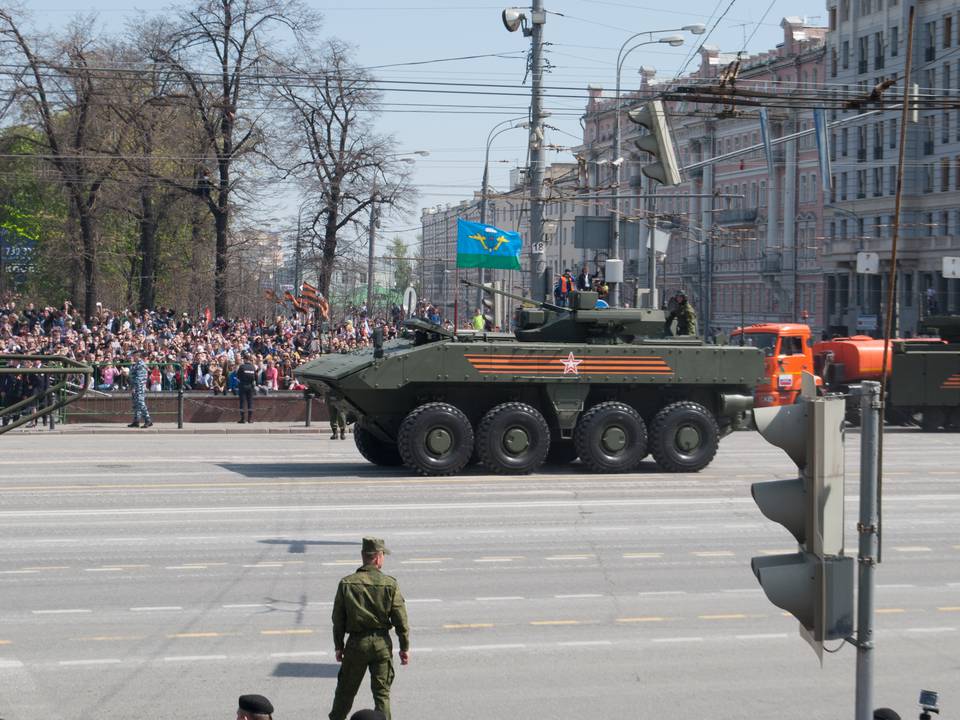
pixel 368 601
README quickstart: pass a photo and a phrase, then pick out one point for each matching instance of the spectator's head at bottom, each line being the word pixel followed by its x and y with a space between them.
pixel 254 707
pixel 885 714
pixel 370 715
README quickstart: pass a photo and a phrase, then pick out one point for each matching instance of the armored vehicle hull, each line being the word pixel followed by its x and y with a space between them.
pixel 609 396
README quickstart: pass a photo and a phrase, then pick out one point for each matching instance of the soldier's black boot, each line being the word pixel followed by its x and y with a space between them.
pixel 250 418
pixel 241 421
pixel 134 424
pixel 148 423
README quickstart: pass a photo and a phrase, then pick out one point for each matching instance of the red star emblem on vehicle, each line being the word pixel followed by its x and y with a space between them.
pixel 570 365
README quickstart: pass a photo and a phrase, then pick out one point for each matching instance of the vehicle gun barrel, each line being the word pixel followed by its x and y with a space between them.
pixel 520 298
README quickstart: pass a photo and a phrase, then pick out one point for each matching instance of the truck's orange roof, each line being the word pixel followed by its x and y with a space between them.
pixel 776 328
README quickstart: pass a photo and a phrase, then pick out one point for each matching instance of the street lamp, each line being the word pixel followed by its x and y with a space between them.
pixel 617 161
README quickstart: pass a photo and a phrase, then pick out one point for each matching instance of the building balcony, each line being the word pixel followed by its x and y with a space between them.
pixel 736 217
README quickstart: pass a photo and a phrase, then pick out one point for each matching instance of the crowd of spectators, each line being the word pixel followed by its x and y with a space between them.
pixel 191 352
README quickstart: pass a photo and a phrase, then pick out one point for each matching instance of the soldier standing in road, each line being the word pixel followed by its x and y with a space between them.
pixel 368 603
pixel 247 377
pixel 138 390
pixel 338 422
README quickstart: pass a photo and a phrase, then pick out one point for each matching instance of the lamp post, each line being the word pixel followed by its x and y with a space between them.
pixel 485 185
pixel 617 160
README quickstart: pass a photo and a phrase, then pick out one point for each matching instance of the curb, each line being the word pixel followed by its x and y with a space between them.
pixel 264 430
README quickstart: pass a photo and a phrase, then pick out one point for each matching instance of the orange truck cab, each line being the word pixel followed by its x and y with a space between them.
pixel 786 347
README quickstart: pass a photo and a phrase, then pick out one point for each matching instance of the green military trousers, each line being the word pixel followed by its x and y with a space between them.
pixel 372 651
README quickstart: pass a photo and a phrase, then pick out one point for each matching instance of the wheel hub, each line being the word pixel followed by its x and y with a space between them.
pixel 614 439
pixel 688 438
pixel 439 441
pixel 516 440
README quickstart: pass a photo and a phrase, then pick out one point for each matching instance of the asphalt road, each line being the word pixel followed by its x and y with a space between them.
pixel 153 575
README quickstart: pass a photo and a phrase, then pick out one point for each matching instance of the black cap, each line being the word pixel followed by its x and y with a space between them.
pixel 256 704
pixel 885 714
pixel 368 715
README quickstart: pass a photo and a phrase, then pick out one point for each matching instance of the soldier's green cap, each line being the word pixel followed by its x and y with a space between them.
pixel 374 545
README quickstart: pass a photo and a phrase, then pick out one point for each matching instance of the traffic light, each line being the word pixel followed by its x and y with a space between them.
pixel 657 142
pixel 492 305
pixel 814 584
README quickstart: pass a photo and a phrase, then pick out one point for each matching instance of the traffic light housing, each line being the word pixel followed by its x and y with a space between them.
pixel 492 305
pixel 814 584
pixel 657 142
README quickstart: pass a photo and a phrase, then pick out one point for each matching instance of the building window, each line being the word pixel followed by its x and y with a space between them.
pixel 862 143
pixel 894 137
pixel 803 188
pixel 944 174
pixel 945 126
pixel 877 181
pixel 845 54
pixel 863 49
pixel 947 30
pixel 894 40
pixel 843 186
pixel 878 52
pixel 861 184
pixel 929 224
pixel 944 223
pixel 929 122
pixel 928 177
pixel 763 193
pixel 844 10
pixel 878 141
pixel 833 18
pixel 844 142
pixel 892 183
pixel 930 41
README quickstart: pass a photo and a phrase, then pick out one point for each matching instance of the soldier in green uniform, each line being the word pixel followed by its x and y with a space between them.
pixel 367 605
pixel 683 312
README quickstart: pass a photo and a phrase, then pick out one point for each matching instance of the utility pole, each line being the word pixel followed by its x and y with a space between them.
pixel 538 19
pixel 372 247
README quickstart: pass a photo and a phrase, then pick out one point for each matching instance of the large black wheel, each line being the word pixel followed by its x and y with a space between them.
pixel 513 439
pixel 684 437
pixel 435 439
pixel 611 437
pixel 374 449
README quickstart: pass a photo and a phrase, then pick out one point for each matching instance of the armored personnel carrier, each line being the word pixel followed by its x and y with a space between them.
pixel 606 385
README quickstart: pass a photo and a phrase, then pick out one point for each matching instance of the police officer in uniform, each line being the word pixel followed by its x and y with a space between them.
pixel 368 603
pixel 138 390
pixel 247 377
pixel 254 707
pixel 683 312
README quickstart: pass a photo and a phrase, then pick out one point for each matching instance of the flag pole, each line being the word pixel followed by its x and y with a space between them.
pixel 456 299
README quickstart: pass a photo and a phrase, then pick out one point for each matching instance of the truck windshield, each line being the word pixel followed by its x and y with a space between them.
pixel 765 341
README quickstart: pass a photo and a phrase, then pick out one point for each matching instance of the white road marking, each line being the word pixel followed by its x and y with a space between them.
pixel 423 600
pixel 912 549
pixel 264 565
pixel 104 569
pixel 432 561
pixel 577 596
pixel 677 640
pixel 155 608
pixel 10 663
pixel 498 559
pixel 584 556
pixel 762 636
pixel 185 567
pixel 62 612
pixel 495 598
pixel 653 593
pixel 190 658
pixel 506 646
pixel 98 661
pixel 896 585
pixel 932 630
pixel 17 572
pixel 677 527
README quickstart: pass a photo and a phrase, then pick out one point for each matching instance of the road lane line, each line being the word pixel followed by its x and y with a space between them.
pixel 5 642
pixel 782 551
pixel 642 555
pixel 18 572
pixel 912 549
pixel 556 622
pixel 293 631
pixel 425 561
pixel 110 638
pixel 48 567
pixel 762 636
pixel 10 664
pixel 499 559
pixel 185 567
pixel 932 630
pixel 340 562
pixel 499 598
pixel 156 608
pixel 949 608
pixel 577 596
pixel 727 616
pixel 584 556
pixel 191 658
pixel 889 611
pixel 264 565
pixel 677 640
pixel 504 646
pixel 896 585
pixel 67 611
pixel 713 553
pixel 467 626
pixel 104 569
pixel 80 663
pixel 584 643
pixel 423 600
pixel 651 618
pixel 654 593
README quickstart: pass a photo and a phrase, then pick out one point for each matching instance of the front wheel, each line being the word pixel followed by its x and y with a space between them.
pixel 374 449
pixel 684 437
pixel 435 439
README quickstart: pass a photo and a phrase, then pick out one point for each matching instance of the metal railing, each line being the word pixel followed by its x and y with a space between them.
pixel 48 399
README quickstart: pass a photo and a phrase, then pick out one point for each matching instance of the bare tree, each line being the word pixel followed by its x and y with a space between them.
pixel 218 52
pixel 60 93
pixel 347 167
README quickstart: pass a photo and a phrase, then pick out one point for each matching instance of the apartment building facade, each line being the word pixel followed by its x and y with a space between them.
pixel 867 44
